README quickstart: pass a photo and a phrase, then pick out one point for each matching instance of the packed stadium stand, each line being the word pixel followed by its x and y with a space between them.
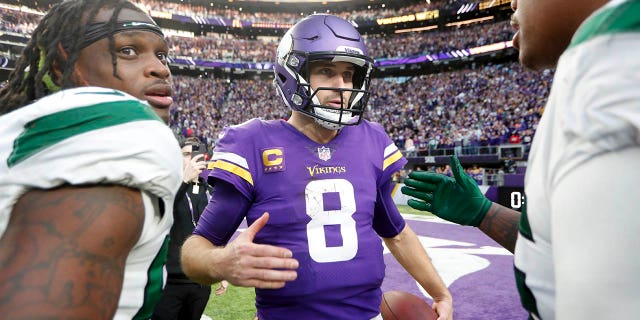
pixel 447 79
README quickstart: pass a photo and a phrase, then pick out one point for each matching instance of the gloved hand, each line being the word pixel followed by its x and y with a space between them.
pixel 457 200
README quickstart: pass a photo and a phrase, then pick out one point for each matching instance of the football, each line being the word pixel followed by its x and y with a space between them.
pixel 400 305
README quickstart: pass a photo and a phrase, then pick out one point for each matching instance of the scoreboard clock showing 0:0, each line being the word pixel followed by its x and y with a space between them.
pixel 511 197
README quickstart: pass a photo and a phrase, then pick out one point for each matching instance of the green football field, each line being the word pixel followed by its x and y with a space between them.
pixel 238 302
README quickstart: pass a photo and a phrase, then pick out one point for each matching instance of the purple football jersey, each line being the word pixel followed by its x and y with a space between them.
pixel 321 200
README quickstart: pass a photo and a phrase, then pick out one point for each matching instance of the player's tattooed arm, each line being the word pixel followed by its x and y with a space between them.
pixel 501 225
pixel 64 251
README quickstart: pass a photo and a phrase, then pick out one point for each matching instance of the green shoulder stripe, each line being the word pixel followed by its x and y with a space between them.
pixel 51 129
pixel 621 18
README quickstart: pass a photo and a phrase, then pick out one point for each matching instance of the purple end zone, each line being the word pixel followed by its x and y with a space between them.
pixel 484 290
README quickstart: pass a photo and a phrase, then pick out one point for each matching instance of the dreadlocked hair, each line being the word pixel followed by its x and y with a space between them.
pixel 56 41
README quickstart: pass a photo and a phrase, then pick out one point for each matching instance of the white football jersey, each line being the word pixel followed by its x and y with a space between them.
pixel 576 257
pixel 93 135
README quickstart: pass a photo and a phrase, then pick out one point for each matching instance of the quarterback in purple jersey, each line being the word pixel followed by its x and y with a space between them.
pixel 316 191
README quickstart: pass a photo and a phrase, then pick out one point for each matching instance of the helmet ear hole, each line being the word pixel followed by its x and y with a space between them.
pixel 358 78
pixel 304 72
pixel 282 77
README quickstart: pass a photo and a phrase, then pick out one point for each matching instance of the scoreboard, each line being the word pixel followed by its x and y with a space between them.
pixel 511 197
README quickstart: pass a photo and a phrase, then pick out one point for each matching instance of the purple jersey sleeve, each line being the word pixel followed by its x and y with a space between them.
pixel 224 213
pixel 387 220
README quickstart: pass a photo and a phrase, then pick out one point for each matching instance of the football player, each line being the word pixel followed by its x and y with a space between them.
pixel 316 191
pixel 89 170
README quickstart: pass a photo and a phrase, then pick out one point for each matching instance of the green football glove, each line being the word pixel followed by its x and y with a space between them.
pixel 457 200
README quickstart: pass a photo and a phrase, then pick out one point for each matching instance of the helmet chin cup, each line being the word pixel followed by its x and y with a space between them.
pixel 329 125
pixel 339 118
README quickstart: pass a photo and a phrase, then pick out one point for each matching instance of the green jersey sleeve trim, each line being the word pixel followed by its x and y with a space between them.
pixel 617 19
pixel 153 289
pixel 46 131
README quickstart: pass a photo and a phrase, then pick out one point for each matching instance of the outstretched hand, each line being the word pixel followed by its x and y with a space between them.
pixel 256 265
pixel 457 200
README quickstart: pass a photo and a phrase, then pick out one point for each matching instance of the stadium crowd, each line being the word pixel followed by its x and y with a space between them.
pixel 229 48
pixel 23 22
pixel 418 43
pixel 288 17
pixel 219 12
pixel 223 46
pixel 471 112
pixel 467 111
